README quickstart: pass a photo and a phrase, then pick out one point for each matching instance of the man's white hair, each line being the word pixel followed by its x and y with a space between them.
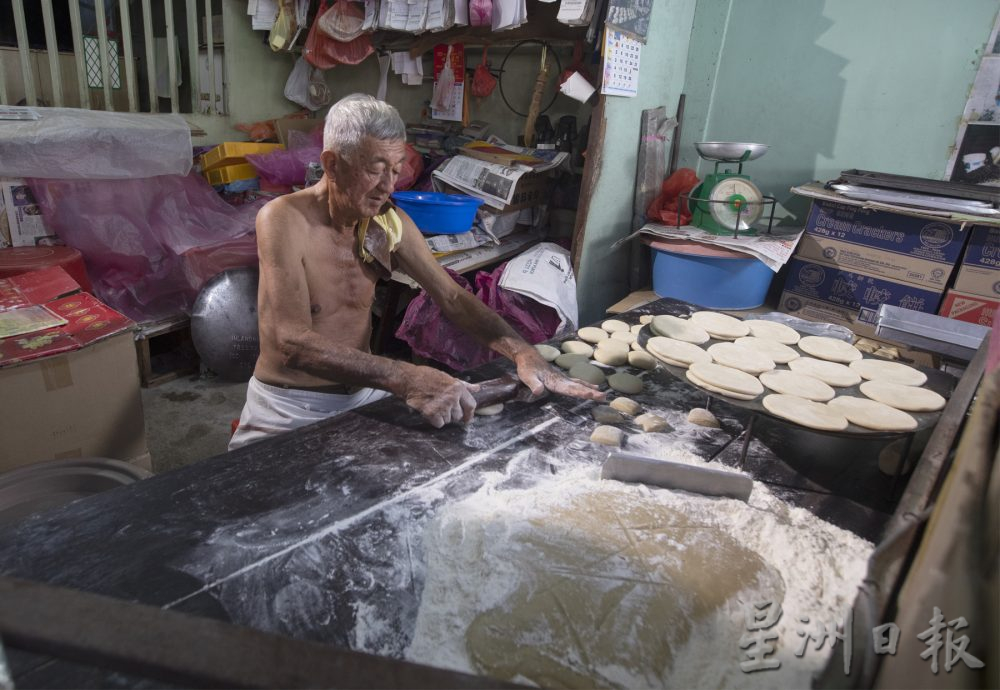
pixel 357 116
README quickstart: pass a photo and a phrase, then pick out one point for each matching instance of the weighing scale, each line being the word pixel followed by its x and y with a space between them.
pixel 727 201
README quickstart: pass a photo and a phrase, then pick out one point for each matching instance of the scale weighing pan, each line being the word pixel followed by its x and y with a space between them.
pixel 729 151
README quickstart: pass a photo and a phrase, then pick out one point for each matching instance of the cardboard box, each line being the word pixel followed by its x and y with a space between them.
pixel 821 292
pixel 979 272
pixel 971 308
pixel 25 224
pixel 880 263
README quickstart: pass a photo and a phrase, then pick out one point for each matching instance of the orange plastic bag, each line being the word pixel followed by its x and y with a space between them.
pixel 668 204
pixel 483 82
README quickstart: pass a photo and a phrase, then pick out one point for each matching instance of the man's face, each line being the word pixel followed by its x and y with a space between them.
pixel 366 180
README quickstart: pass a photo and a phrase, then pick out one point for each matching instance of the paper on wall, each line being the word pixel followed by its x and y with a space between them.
pixel 621 64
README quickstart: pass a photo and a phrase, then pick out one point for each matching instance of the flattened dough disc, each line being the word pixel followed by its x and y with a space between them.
pixel 625 383
pixel 715 389
pixel 592 334
pixel 679 329
pixel 772 330
pixel 893 372
pixel 586 372
pixel 829 349
pixel 827 372
pixel 797 384
pixel 781 354
pixel 676 351
pixel 726 378
pixel 720 325
pixel 872 414
pixel 740 357
pixel 614 325
pixel 805 412
pixel 909 398
pixel 577 347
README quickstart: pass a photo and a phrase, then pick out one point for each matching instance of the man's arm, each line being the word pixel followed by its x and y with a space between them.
pixel 472 316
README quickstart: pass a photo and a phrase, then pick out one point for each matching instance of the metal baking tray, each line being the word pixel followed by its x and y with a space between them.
pixel 948 337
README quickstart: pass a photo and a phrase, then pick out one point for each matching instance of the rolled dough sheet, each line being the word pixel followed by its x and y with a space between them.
pixel 739 357
pixel 679 329
pixel 801 385
pixel 829 349
pixel 908 398
pixel 805 412
pixel 872 414
pixel 727 379
pixel 772 330
pixel 676 351
pixel 893 372
pixel 715 389
pixel 828 372
pixel 780 354
pixel 720 325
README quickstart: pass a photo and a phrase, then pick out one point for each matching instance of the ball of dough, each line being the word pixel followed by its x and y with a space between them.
pixel 591 334
pixel 625 383
pixel 641 360
pixel 576 347
pixel 702 417
pixel 626 405
pixel 635 329
pixel 587 372
pixel 651 423
pixel 645 318
pixel 605 414
pixel 611 356
pixel 547 352
pixel 489 410
pixel 567 361
pixel 624 336
pixel 614 326
pixel 607 435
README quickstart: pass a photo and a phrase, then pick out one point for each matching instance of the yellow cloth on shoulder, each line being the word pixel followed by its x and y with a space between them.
pixel 393 226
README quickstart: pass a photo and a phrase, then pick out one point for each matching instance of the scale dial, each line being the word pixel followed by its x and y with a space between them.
pixel 736 197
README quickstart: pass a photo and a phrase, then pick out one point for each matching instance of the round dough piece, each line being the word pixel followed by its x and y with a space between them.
pixel 676 352
pixel 909 398
pixel 805 412
pixel 605 414
pixel 613 345
pixel 626 337
pixel 645 318
pixel 635 329
pixel 625 383
pixel 772 330
pixel 626 405
pixel 702 417
pixel 614 326
pixel 893 372
pixel 715 389
pixel 587 372
pixel 828 372
pixel 872 414
pixel 780 354
pixel 739 357
pixel 613 357
pixel 577 347
pixel 567 361
pixel 641 360
pixel 829 349
pixel 651 423
pixel 607 435
pixel 720 325
pixel 727 378
pixel 797 384
pixel 489 410
pixel 679 329
pixel 548 352
pixel 592 334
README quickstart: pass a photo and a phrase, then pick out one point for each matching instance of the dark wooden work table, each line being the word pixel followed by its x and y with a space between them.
pixel 292 534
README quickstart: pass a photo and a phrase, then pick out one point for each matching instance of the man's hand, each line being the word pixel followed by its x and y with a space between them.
pixel 540 376
pixel 440 398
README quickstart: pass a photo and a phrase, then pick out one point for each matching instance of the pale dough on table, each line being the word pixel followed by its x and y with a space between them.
pixel 636 328
pixel 715 389
pixel 909 398
pixel 829 348
pixel 641 359
pixel 727 378
pixel 587 372
pixel 613 345
pixel 592 334
pixel 801 385
pixel 626 337
pixel 702 417
pixel 679 329
pixel 567 361
pixel 548 352
pixel 893 372
pixel 645 318
pixel 780 354
pixel 805 412
pixel 652 423
pixel 577 347
pixel 625 383
pixel 720 325
pixel 740 357
pixel 610 356
pixel 626 405
pixel 637 347
pixel 832 373
pixel 614 326
pixel 772 330
pixel 607 435
pixel 489 410
pixel 676 351
pixel 605 414
pixel 872 414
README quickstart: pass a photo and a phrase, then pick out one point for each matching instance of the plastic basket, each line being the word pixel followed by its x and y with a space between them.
pixel 234 152
pixel 436 213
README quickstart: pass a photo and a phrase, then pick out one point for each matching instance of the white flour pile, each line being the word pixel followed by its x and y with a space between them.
pixel 579 581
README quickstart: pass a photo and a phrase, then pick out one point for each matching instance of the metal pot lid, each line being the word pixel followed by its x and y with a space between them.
pixel 224 323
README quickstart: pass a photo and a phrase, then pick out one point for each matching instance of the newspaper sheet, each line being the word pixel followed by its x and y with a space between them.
pixel 773 249
pixel 492 183
pixel 545 274
pixel 548 158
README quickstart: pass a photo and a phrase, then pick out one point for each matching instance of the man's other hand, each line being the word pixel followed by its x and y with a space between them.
pixel 440 398
pixel 540 376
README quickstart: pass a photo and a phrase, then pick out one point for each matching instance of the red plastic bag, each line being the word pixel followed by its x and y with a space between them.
pixel 431 335
pixel 576 66
pixel 483 82
pixel 664 208
pixel 324 52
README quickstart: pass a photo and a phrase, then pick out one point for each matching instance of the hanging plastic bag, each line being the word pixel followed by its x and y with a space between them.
pixel 413 165
pixel 343 22
pixel 481 13
pixel 318 45
pixel 576 66
pixel 668 207
pixel 445 86
pixel 483 82
pixel 306 87
pixel 284 27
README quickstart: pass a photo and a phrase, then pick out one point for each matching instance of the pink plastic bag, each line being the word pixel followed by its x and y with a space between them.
pixel 412 167
pixel 431 335
pixel 149 244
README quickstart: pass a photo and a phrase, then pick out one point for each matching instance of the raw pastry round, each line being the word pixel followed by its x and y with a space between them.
pixel 909 398
pixel 679 329
pixel 805 412
pixel 626 405
pixel 489 410
pixel 576 347
pixel 613 345
pixel 781 354
pixel 635 329
pixel 702 417
pixel 607 435
pixel 829 348
pixel 547 352
pixel 739 357
pixel 651 423
pixel 797 384
pixel 591 334
pixel 613 357
pixel 587 372
pixel 727 378
pixel 625 383
pixel 614 326
pixel 832 373
pixel 893 372
pixel 720 325
pixel 715 389
pixel 676 352
pixel 872 414
pixel 772 330
pixel 626 337
pixel 641 360
pixel 605 414
pixel 567 361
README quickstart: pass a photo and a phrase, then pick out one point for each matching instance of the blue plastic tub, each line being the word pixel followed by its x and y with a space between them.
pixel 439 214
pixel 716 282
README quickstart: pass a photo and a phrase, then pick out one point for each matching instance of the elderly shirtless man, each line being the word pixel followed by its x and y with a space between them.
pixel 318 270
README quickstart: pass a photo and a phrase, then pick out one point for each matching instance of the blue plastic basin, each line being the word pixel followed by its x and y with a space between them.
pixel 711 281
pixel 439 214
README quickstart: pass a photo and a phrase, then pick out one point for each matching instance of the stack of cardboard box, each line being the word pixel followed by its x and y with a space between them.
pixel 975 296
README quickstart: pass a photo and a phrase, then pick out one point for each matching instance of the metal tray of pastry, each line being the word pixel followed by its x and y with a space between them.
pixel 937 381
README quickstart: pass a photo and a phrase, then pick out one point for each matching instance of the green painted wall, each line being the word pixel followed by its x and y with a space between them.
pixel 833 84
pixel 603 274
